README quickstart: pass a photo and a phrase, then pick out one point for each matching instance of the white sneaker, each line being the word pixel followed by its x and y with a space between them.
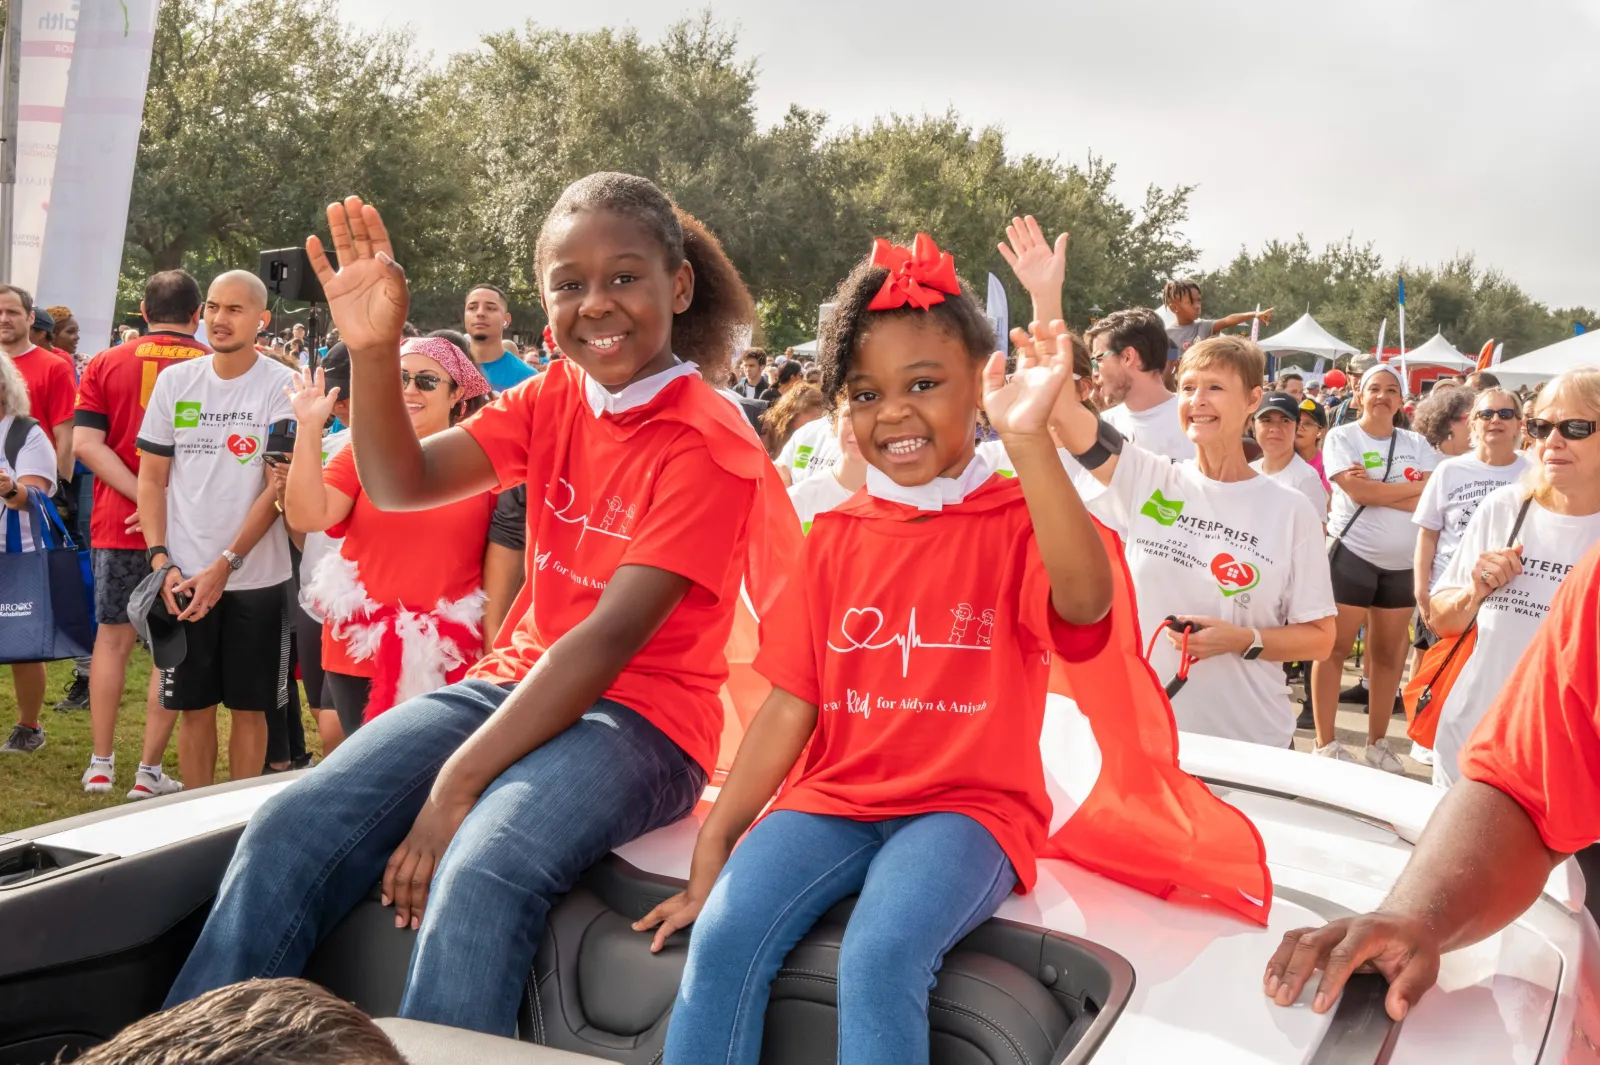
pixel 1334 750
pixel 99 777
pixel 1381 756
pixel 147 785
pixel 1421 754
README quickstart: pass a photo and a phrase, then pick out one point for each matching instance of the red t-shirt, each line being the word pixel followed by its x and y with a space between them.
pixel 642 487
pixel 112 395
pixel 925 645
pixel 405 558
pixel 50 387
pixel 1540 740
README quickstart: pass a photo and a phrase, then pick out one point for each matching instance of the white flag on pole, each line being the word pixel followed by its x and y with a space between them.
pixel 1499 350
pixel 1382 329
pixel 1255 325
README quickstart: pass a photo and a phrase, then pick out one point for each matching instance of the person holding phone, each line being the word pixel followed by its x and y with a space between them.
pixel 224 553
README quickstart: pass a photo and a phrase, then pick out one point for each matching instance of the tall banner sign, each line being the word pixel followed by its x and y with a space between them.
pixel 97 144
pixel 999 314
pixel 48 32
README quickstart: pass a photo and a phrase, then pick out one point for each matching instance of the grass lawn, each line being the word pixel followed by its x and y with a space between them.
pixel 45 785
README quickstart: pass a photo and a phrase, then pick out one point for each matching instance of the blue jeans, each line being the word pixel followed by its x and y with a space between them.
pixel 315 850
pixel 924 881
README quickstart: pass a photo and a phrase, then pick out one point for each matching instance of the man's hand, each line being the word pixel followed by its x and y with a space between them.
pixel 204 589
pixel 169 588
pixel 1041 269
pixel 367 296
pixel 1398 947
pixel 1266 315
pixel 409 874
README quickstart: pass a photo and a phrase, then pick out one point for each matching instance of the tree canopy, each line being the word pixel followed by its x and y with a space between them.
pixel 261 111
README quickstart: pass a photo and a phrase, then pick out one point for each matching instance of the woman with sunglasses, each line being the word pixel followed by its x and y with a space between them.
pixel 1507 591
pixel 403 599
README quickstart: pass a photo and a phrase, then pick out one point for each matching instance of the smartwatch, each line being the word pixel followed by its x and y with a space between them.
pixel 1254 652
pixel 150 553
pixel 1108 442
pixel 234 561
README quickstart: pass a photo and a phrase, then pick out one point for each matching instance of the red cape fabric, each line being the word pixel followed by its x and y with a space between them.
pixel 1146 823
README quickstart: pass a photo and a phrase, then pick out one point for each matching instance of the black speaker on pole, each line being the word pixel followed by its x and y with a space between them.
pixel 288 274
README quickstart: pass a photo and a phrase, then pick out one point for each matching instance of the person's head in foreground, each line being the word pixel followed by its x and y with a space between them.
pixel 1444 420
pixel 258 1022
pixel 65 334
pixel 752 363
pixel 1123 346
pixel 1277 425
pixel 1182 298
pixel 440 382
pixel 1313 423
pixel 1219 389
pixel 1563 423
pixel 912 372
pixel 1381 399
pixel 1496 426
pixel 612 252
pixel 1293 384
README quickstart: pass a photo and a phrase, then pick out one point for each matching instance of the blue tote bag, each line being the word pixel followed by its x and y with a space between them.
pixel 46 605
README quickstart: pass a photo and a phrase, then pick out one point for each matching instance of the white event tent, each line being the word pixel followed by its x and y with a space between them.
pixel 1307 336
pixel 1438 352
pixel 1541 365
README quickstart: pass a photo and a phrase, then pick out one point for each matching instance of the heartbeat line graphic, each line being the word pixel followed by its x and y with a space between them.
pixel 906 641
pixel 560 513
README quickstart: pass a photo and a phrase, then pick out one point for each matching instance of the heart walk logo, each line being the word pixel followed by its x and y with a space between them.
pixel 244 448
pixel 1234 576
pixel 186 416
pixel 1163 510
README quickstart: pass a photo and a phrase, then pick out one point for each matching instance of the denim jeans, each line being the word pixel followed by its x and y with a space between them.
pixel 924 881
pixel 315 850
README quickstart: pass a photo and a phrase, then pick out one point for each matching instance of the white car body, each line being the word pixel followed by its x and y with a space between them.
pixel 1337 836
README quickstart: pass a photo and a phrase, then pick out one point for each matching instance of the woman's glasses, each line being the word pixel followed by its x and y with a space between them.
pixel 1569 428
pixel 1489 414
pixel 425 382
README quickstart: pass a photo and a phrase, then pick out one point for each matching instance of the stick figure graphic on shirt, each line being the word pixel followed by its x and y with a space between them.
pixel 986 628
pixel 627 519
pixel 958 631
pixel 613 508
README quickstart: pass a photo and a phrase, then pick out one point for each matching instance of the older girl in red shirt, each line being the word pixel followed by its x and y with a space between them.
pixel 597 717
pixel 912 658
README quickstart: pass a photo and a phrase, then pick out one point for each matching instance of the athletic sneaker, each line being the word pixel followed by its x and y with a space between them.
pixel 1356 693
pixel 99 777
pixel 1306 719
pixel 1381 756
pixel 1336 751
pixel 1421 754
pixel 23 740
pixel 147 785
pixel 77 697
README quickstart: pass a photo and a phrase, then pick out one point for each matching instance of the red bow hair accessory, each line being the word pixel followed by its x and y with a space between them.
pixel 920 275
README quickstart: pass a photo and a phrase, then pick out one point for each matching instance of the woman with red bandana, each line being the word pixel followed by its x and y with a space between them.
pixel 403 599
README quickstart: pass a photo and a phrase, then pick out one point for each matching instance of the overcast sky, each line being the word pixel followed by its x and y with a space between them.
pixel 1426 126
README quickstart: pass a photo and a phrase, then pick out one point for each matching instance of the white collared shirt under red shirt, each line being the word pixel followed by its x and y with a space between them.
pixel 617 480
pixel 924 639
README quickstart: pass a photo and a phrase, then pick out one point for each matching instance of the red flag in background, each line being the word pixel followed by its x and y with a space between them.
pixel 1486 356
pixel 1123 808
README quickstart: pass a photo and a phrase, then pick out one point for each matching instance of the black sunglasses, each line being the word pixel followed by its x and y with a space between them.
pixel 1489 414
pixel 1570 428
pixel 425 382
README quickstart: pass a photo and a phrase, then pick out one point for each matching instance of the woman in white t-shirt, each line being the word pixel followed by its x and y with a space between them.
pixel 813 495
pixel 1508 590
pixel 1277 423
pixel 35 467
pixel 1378 473
pixel 1212 541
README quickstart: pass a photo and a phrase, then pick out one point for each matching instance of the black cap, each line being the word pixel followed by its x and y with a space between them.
pixel 1282 402
pixel 1316 410
pixel 154 623
pixel 336 369
pixel 42 320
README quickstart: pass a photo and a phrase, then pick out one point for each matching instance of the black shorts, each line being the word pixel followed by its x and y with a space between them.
pixel 308 652
pixel 238 655
pixel 1357 582
pixel 117 572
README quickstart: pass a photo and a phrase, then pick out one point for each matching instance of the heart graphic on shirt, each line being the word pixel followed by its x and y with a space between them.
pixel 859 625
pixel 244 448
pixel 1233 575
pixel 1413 475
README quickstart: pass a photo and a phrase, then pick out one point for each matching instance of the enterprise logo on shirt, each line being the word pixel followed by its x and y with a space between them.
pixel 802 456
pixel 1163 510
pixel 1372 460
pixel 186 416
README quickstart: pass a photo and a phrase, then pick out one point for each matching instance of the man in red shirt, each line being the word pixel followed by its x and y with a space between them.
pixel 111 401
pixel 1529 799
pixel 47 375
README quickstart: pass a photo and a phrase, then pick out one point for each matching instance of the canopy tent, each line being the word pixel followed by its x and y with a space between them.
pixel 1439 352
pixel 1307 336
pixel 1541 365
pixel 808 348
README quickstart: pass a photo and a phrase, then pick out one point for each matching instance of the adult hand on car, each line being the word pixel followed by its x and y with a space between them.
pixel 1401 948
pixel 677 912
pixel 409 874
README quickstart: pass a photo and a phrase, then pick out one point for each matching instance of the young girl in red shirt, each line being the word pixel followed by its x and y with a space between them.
pixel 910 664
pixel 597 717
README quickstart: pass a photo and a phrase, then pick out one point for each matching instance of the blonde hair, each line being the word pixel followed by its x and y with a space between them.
pixel 1582 387
pixel 1230 352
pixel 13 391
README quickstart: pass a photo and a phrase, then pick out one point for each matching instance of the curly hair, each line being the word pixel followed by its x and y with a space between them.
pixel 1438 410
pixel 721 314
pixel 844 331
pixel 780 420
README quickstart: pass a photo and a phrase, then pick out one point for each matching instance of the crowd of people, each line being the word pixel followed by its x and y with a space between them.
pixel 508 686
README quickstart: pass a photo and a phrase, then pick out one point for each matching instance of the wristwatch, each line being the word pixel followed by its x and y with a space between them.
pixel 234 561
pixel 1255 649
pixel 150 553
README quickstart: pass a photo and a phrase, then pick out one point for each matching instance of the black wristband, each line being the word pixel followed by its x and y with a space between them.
pixel 150 553
pixel 16 487
pixel 1108 442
